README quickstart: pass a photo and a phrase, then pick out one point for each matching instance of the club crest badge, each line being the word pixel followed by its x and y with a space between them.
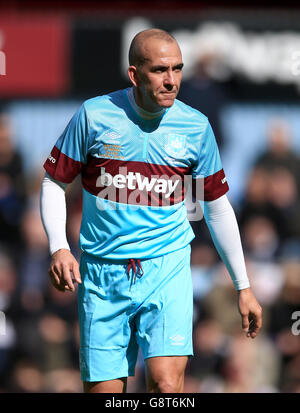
pixel 176 145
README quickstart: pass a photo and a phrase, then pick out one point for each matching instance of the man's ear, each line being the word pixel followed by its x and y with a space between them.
pixel 133 76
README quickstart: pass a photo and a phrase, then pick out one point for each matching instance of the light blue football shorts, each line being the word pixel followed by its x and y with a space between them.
pixel 150 308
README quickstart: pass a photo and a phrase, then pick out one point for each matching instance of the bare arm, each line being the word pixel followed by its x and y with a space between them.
pixel 53 214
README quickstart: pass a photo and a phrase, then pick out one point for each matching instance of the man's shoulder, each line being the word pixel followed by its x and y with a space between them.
pixel 188 111
pixel 102 102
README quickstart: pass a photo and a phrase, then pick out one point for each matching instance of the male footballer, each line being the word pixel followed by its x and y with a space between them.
pixel 133 149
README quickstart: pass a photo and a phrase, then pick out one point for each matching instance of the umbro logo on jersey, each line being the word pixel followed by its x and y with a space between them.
pixel 177 340
pixel 111 134
pixel 224 180
pixel 134 180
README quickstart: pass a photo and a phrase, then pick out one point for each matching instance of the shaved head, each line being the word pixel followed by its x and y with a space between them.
pixel 137 53
pixel 155 69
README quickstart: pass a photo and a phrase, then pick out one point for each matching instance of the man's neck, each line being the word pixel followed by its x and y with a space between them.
pixel 139 110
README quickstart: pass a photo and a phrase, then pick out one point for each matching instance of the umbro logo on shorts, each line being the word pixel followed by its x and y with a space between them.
pixel 82 363
pixel 177 340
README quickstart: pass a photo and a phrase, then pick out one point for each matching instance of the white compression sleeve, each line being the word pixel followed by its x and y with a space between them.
pixel 53 212
pixel 222 224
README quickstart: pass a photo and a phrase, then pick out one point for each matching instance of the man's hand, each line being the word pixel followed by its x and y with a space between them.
pixel 250 311
pixel 62 265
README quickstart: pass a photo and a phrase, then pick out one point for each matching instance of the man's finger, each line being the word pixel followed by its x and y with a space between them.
pixel 56 274
pixel 76 273
pixel 56 282
pixel 258 319
pixel 55 278
pixel 256 325
pixel 67 288
pixel 67 278
pixel 245 322
pixel 251 327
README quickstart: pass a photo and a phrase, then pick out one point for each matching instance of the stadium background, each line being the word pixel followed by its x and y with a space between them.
pixel 242 69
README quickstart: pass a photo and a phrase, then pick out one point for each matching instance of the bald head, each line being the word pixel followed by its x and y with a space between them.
pixel 155 69
pixel 137 53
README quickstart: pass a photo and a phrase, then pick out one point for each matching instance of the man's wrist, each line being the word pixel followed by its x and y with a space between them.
pixel 244 290
pixel 59 249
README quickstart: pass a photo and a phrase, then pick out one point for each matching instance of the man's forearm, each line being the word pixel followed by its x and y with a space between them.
pixel 223 227
pixel 53 213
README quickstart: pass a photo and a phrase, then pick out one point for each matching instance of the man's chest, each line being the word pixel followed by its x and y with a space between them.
pixel 164 146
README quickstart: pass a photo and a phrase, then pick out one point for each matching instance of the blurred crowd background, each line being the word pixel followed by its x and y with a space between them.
pixel 53 58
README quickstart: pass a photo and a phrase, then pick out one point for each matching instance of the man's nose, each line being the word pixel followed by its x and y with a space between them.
pixel 169 79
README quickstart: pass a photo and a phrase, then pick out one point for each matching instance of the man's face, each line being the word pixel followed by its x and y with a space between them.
pixel 158 80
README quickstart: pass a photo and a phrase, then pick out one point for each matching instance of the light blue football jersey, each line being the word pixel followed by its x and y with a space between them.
pixel 134 172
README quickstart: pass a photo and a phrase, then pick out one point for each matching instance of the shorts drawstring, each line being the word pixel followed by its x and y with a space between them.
pixel 137 271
